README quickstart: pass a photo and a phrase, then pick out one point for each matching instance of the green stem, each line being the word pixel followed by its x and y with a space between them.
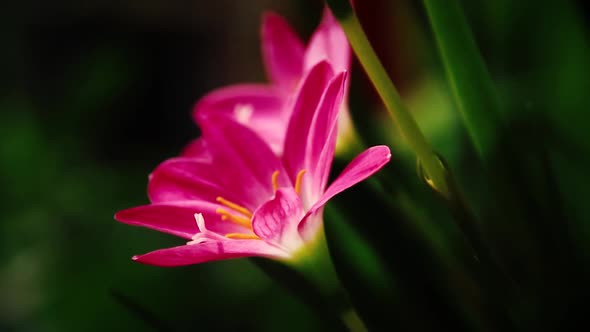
pixel 315 263
pixel 406 124
pixel 353 321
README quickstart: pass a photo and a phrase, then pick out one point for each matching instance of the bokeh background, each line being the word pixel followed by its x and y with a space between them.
pixel 93 95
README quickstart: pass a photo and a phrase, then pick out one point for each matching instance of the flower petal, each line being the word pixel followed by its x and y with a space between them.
pixel 258 106
pixel 210 251
pixel 364 165
pixel 196 149
pixel 305 105
pixel 282 51
pixel 181 179
pixel 262 97
pixel 328 42
pixel 277 219
pixel 177 218
pixel 244 164
pixel 324 131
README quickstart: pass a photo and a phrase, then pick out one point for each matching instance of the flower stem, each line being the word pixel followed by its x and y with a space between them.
pixel 406 124
pixel 353 321
pixel 317 266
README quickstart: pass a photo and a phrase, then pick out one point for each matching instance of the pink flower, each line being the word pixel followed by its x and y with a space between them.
pixel 233 197
pixel 266 108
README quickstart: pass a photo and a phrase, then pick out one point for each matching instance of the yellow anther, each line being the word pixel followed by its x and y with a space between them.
pixel 242 236
pixel 234 207
pixel 298 181
pixel 275 180
pixel 226 215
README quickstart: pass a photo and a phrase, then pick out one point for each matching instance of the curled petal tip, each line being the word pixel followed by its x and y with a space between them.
pixel 384 148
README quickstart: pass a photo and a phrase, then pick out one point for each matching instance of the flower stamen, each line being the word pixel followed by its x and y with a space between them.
pixel 242 236
pixel 234 206
pixel 298 181
pixel 275 180
pixel 226 215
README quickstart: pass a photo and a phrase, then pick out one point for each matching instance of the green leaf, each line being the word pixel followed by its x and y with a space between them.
pixel 467 75
pixel 368 283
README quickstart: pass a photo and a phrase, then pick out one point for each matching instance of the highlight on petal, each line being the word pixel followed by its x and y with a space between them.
pixel 282 51
pixel 328 42
pixel 364 165
pixel 210 251
pixel 323 134
pixel 305 105
pixel 277 219
pixel 241 102
pixel 260 107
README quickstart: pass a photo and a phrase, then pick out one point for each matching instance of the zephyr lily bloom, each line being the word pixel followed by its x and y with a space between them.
pixel 233 197
pixel 267 108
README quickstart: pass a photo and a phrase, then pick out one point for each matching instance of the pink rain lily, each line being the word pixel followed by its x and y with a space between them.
pixel 232 196
pixel 266 108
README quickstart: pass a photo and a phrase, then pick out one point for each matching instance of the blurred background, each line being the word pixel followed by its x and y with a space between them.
pixel 93 95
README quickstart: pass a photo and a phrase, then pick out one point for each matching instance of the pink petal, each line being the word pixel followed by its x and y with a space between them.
pixel 177 218
pixel 323 134
pixel 277 219
pixel 244 164
pixel 329 43
pixel 260 107
pixel 181 179
pixel 364 165
pixel 196 149
pixel 264 98
pixel 310 225
pixel 316 182
pixel 282 51
pixel 210 251
pixel 306 103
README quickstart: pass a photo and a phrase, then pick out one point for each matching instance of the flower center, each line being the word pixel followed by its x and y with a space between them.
pixel 243 216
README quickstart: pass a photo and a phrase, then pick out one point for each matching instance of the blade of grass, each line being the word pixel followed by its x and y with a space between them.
pixel 469 80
